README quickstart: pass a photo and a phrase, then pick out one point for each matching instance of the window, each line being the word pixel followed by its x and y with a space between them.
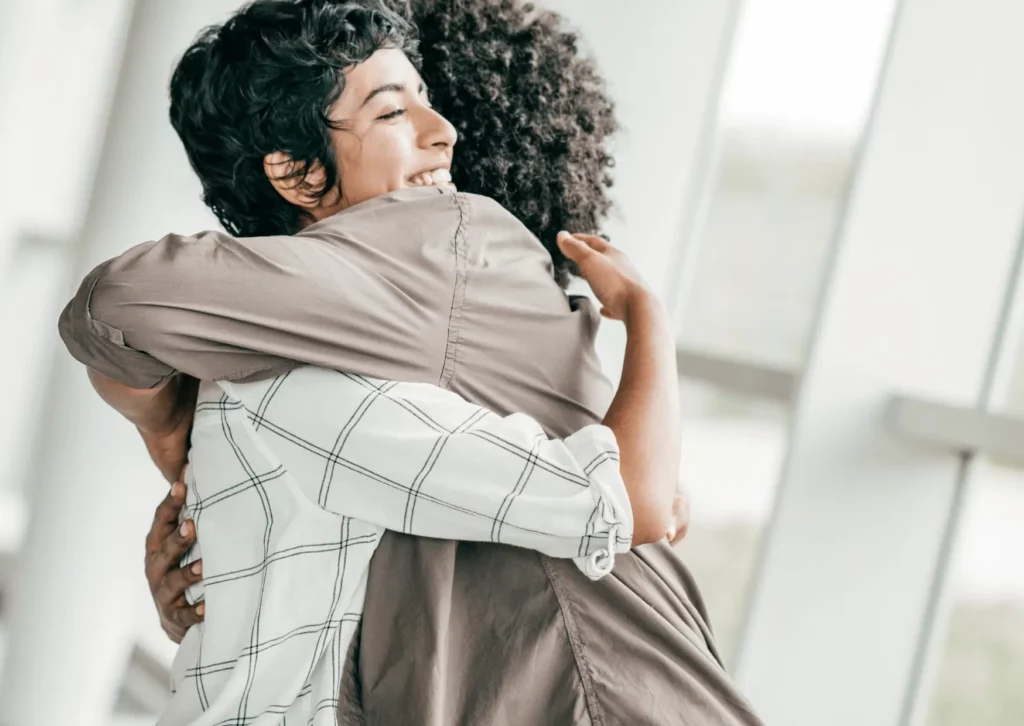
pixel 786 144
pixel 732 453
pixel 981 657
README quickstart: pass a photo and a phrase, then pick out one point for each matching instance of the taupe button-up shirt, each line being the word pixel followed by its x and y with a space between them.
pixel 426 285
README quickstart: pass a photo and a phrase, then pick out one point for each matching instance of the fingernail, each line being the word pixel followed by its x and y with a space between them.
pixel 197 568
pixel 177 490
pixel 184 528
pixel 201 609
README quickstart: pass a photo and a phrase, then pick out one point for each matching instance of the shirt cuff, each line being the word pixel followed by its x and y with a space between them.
pixel 102 347
pixel 610 529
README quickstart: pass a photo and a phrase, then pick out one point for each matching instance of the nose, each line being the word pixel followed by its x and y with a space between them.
pixel 436 132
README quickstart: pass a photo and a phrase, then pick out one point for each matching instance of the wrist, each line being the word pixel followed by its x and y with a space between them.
pixel 644 309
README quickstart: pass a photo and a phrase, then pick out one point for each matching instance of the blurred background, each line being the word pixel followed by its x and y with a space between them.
pixel 828 194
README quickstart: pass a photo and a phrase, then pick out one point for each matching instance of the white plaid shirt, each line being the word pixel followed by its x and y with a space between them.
pixel 293 480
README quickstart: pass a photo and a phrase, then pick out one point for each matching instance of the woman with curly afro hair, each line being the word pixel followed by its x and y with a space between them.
pixel 532 114
pixel 451 632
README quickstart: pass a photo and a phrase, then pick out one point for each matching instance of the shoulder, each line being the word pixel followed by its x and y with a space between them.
pixel 407 211
pixel 419 213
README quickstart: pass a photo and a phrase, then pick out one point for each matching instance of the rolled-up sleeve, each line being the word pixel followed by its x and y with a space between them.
pixel 421 460
pixel 101 346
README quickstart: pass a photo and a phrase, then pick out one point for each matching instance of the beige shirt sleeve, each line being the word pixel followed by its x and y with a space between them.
pixel 370 291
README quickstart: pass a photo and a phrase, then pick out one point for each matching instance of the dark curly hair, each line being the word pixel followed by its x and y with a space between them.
pixel 532 113
pixel 265 81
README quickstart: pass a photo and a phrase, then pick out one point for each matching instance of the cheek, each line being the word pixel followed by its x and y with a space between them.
pixel 390 163
pixel 377 163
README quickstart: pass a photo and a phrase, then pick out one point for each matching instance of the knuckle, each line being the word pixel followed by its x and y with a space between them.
pixel 174 585
pixel 174 545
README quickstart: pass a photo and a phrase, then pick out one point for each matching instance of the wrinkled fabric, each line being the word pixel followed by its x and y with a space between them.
pixel 432 286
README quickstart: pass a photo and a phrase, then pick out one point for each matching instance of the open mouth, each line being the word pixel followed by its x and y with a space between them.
pixel 435 177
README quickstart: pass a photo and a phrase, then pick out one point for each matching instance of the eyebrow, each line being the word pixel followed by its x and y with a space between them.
pixel 388 88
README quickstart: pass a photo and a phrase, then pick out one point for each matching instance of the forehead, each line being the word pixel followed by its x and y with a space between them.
pixel 386 66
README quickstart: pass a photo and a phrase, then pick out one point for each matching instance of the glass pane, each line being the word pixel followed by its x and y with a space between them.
pixel 795 100
pixel 733 449
pixel 981 663
pixel 981 666
pixel 796 96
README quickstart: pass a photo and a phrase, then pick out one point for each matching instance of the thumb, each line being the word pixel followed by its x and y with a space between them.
pixel 575 249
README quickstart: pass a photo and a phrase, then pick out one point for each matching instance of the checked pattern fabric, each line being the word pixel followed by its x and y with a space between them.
pixel 291 483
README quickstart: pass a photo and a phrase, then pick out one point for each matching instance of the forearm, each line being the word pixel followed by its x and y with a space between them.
pixel 151 410
pixel 451 470
pixel 645 418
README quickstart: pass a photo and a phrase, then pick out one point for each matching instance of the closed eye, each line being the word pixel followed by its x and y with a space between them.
pixel 393 114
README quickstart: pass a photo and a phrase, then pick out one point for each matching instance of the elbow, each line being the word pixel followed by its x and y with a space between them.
pixel 662 518
pixel 642 537
pixel 651 526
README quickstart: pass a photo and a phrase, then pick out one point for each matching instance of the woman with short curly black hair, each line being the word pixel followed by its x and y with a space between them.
pixel 531 113
pixel 452 632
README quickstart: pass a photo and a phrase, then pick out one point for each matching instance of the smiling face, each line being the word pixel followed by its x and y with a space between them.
pixel 393 139
pixel 386 137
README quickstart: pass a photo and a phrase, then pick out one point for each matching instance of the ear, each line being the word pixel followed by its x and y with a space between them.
pixel 285 175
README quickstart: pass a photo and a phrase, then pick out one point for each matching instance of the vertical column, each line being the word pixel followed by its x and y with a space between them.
pixel 20 22
pixel 55 58
pixel 913 303
pixel 52 116
pixel 79 586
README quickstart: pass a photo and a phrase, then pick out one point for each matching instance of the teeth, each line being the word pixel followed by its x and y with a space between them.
pixel 431 178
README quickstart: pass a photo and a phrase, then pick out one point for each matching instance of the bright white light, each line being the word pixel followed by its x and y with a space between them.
pixel 806 65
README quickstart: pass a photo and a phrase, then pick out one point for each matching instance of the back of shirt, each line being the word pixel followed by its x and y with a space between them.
pixel 515 340
pixel 421 285
pixel 427 285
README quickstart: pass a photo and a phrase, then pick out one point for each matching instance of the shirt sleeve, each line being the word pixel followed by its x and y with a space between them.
pixel 418 459
pixel 356 292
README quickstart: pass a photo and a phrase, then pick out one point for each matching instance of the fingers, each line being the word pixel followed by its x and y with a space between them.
pixel 594 242
pixel 169 554
pixel 187 616
pixel 573 248
pixel 182 617
pixel 578 246
pixel 165 519
pixel 166 544
pixel 171 588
